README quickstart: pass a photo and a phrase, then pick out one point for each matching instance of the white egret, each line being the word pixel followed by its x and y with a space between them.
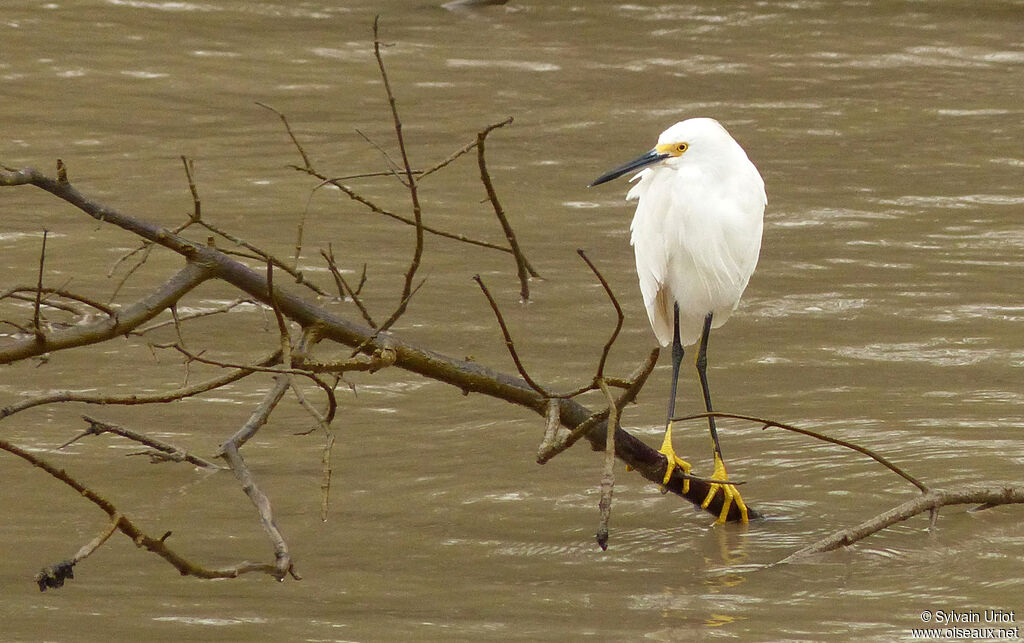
pixel 696 235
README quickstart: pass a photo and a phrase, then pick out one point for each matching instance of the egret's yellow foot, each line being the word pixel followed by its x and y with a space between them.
pixel 673 460
pixel 730 494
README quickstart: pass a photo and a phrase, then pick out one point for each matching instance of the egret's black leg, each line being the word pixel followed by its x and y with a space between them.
pixel 728 490
pixel 702 373
pixel 666 446
pixel 677 358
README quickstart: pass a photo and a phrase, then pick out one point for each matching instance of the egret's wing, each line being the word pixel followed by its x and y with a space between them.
pixel 651 252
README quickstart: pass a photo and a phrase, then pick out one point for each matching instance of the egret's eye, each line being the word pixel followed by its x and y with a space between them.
pixel 681 147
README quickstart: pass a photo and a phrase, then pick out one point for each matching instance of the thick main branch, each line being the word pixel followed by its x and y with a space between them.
pixel 467 376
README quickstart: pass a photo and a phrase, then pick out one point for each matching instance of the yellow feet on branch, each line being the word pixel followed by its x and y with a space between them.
pixel 730 494
pixel 673 460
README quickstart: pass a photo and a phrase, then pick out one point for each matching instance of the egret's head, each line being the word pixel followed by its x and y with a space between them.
pixel 692 139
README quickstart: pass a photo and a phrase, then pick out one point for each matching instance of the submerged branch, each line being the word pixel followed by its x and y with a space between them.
pixel 929 501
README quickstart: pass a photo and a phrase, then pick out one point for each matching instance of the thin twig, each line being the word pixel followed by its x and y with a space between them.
pixel 618 312
pixel 331 401
pixel 343 288
pixel 15 293
pixel 492 196
pixel 179 318
pixel 417 212
pixel 136 398
pixel 265 256
pixel 36 327
pixel 930 501
pixel 169 451
pixel 789 427
pixel 190 175
pixel 509 344
pixel 373 207
pixel 393 168
pixel 608 474
pixel 390 321
pixel 291 135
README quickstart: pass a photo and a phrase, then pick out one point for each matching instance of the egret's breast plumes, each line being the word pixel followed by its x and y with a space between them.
pixel 697 229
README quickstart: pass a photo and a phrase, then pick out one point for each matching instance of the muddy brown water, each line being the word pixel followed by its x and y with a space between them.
pixel 886 310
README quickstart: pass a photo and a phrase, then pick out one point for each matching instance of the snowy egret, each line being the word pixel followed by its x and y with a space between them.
pixel 696 235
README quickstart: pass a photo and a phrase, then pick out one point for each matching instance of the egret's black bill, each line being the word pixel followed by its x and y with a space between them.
pixel 651 157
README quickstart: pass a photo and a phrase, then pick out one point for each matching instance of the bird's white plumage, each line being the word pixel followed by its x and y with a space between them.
pixel 697 229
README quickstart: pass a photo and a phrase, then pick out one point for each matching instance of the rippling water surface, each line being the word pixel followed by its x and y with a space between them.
pixel 886 310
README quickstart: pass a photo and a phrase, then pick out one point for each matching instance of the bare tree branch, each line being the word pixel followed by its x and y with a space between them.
pixel 509 344
pixel 168 451
pixel 141 398
pixel 819 436
pixel 931 501
pixel 156 545
pixel 608 473
pixel 126 319
pixel 417 209
pixel 492 196
pixel 15 293
pixel 36 328
pixel 465 375
pixel 282 557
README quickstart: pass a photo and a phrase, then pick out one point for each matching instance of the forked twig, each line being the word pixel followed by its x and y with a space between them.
pixel 344 290
pixel 156 545
pixel 636 380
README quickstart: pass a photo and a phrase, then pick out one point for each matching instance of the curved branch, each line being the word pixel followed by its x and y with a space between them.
pixel 929 501
pixel 618 312
pixel 492 196
pixel 814 434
